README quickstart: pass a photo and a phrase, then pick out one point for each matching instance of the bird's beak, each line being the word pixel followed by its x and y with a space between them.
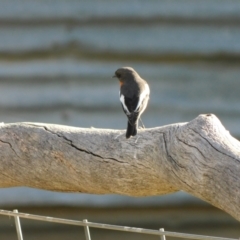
pixel 114 76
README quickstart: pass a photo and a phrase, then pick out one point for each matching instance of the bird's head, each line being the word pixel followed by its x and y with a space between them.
pixel 125 74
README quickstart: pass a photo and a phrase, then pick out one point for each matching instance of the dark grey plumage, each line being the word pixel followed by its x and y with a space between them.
pixel 134 96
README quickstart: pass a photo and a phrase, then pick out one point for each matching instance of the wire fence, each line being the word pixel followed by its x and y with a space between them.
pixel 161 232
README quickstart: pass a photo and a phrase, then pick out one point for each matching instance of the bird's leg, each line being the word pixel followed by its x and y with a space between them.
pixel 141 123
pixel 118 136
pixel 136 140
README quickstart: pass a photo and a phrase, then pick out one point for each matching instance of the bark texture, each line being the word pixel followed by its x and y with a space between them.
pixel 199 157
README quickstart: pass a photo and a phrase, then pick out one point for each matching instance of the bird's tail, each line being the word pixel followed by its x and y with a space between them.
pixel 131 130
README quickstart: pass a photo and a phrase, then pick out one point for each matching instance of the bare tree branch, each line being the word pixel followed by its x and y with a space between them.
pixel 199 157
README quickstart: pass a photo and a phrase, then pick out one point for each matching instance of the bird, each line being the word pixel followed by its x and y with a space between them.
pixel 134 96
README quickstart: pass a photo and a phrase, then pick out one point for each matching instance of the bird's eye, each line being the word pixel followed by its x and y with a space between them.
pixel 118 75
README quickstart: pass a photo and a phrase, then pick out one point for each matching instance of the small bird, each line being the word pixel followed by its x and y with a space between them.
pixel 134 96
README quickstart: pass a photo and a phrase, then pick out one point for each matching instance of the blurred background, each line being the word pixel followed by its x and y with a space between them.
pixel 57 59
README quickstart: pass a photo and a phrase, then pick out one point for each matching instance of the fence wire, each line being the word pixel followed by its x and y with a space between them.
pixel 162 233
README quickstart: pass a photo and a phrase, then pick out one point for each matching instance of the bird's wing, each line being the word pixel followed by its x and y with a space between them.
pixel 142 105
pixel 143 99
pixel 129 106
pixel 135 106
pixel 125 106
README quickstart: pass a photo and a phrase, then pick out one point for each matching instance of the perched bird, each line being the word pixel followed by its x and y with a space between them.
pixel 134 96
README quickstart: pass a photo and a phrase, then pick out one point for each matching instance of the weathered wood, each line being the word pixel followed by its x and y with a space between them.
pixel 199 157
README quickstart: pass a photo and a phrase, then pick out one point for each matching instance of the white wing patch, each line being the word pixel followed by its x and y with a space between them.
pixel 122 99
pixel 142 96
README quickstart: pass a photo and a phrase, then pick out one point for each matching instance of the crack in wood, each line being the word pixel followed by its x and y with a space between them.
pixel 70 142
pixel 172 160
pixel 168 154
pixel 10 147
pixel 237 160
pixel 180 140
pixel 205 165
